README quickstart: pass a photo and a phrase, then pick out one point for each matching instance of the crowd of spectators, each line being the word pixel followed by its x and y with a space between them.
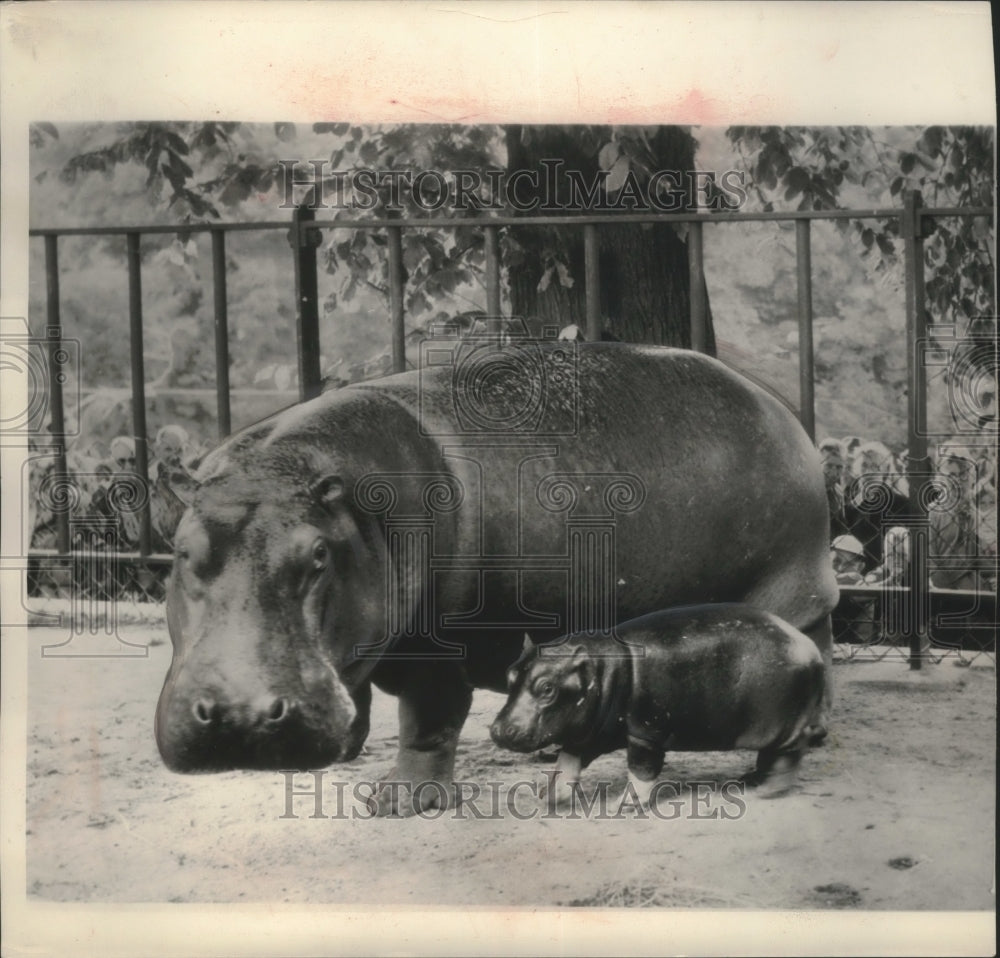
pixel 869 502
pixel 101 488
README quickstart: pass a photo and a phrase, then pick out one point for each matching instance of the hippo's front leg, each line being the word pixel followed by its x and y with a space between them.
pixel 645 762
pixel 433 705
pixel 565 775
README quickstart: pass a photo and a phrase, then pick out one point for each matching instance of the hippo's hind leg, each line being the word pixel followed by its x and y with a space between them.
pixel 434 701
pixel 822 634
pixel 776 771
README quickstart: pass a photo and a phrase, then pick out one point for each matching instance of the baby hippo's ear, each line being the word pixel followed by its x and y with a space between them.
pixel 528 646
pixel 582 664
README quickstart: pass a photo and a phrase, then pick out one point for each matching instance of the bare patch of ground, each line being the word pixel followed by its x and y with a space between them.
pixel 895 811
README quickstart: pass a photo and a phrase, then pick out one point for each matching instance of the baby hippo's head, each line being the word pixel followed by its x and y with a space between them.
pixel 552 698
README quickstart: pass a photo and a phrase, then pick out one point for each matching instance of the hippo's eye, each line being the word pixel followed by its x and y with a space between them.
pixel 543 689
pixel 320 554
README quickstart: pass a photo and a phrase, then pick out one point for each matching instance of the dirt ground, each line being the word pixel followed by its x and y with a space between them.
pixel 896 811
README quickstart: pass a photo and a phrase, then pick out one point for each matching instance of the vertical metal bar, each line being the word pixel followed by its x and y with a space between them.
pixel 53 339
pixel 699 300
pixel 592 279
pixel 807 395
pixel 397 282
pixel 491 247
pixel 138 385
pixel 221 332
pixel 304 243
pixel 918 466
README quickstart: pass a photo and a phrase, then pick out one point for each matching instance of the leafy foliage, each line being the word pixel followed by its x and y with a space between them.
pixel 184 173
pixel 952 166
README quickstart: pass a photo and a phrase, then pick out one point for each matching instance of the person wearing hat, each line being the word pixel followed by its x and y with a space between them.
pixel 848 557
pixel 853 618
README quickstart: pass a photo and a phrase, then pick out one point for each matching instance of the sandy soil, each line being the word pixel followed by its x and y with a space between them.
pixel 896 811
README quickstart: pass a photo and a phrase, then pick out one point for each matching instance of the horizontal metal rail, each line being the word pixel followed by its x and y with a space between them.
pixel 438 222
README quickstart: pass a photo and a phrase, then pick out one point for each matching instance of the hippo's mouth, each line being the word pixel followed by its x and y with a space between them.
pixel 295 745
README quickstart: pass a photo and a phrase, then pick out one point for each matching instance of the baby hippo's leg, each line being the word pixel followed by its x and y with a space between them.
pixel 645 762
pixel 776 771
pixel 565 775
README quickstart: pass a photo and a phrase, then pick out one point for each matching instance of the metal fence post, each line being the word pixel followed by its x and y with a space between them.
pixel 699 299
pixel 54 343
pixel 803 263
pixel 304 243
pixel 138 386
pixel 397 284
pixel 592 277
pixel 491 248
pixel 221 332
pixel 918 466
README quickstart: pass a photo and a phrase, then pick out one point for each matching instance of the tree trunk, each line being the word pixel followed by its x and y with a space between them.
pixel 645 284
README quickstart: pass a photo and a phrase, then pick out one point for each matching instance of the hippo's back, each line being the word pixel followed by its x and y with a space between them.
pixel 731 504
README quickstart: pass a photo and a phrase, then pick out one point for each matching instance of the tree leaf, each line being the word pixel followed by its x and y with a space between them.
pixel 618 175
pixel 797 180
pixel 885 244
pixel 609 155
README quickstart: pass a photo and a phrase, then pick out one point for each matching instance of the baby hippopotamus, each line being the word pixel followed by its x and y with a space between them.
pixel 697 678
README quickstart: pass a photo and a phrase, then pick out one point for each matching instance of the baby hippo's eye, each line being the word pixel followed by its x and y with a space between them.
pixel 320 554
pixel 544 690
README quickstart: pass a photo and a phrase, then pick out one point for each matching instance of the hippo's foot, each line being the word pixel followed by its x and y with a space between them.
pixel 434 699
pixel 556 793
pixel 815 735
pixel 414 788
pixel 776 773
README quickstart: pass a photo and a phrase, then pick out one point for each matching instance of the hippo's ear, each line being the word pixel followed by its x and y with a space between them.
pixel 328 491
pixel 528 646
pixel 583 664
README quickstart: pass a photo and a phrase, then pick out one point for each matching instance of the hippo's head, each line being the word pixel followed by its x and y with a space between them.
pixel 554 698
pixel 276 581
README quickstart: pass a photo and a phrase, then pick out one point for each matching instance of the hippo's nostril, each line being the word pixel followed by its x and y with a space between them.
pixel 204 711
pixel 501 733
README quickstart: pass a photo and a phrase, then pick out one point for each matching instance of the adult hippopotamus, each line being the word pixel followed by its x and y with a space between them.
pixel 702 678
pixel 408 531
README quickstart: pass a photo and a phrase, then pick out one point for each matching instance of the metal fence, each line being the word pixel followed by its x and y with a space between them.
pixel 140 573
